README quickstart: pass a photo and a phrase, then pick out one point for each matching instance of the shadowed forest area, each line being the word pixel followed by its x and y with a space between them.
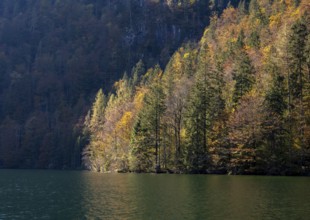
pixel 156 86
pixel 55 55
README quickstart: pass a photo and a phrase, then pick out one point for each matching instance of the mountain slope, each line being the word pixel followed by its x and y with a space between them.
pixel 236 102
pixel 54 56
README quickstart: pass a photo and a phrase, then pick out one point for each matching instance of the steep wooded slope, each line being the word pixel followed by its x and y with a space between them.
pixel 236 102
pixel 55 55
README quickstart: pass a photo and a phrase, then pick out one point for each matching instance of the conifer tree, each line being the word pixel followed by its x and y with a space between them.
pixel 297 43
pixel 298 79
pixel 97 114
pixel 93 153
pixel 198 117
pixel 254 7
pixel 217 144
pixel 244 76
pixel 254 40
pixel 197 128
pixel 151 115
pixel 240 40
pixel 256 11
pixel 141 153
pixel 137 72
pixel 275 155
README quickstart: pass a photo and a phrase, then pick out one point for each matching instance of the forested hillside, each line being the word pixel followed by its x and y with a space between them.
pixel 56 54
pixel 238 101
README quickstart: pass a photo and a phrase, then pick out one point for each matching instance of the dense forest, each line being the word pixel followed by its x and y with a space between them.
pixel 55 55
pixel 237 101
pixel 182 86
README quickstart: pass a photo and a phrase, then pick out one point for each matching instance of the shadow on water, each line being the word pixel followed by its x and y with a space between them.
pixel 36 194
pixel 84 195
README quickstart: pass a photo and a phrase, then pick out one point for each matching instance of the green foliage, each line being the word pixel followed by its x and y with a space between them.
pixel 243 75
pixel 254 7
pixel 141 154
pixel 256 12
pixel 275 97
pixel 204 104
pixel 154 107
pixel 240 40
pixel 276 137
pixel 296 47
pixel 299 90
pixel 196 126
pixel 254 40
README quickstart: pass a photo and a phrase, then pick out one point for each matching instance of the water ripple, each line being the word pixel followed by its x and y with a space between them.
pixel 85 195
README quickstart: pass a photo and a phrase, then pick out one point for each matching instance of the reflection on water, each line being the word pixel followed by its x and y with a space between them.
pixel 105 196
pixel 38 195
pixel 85 195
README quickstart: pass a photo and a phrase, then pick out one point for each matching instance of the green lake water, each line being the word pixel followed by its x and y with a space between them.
pixel 35 194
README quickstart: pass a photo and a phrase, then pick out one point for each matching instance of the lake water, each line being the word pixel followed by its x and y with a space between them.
pixel 33 194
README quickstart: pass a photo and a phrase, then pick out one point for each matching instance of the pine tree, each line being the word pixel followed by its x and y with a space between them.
pixel 196 126
pixel 141 154
pixel 217 144
pixel 152 113
pixel 276 95
pixel 254 8
pixel 240 40
pixel 137 72
pixel 275 155
pixel 244 76
pixel 254 40
pixel 297 43
pixel 298 79
pixel 93 153
pixel 307 91
pixel 256 12
pixel 97 114
pixel 198 117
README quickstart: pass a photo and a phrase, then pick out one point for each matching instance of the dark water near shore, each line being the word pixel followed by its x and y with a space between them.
pixel 33 194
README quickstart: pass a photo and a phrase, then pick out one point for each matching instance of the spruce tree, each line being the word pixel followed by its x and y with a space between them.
pixel 93 153
pixel 254 40
pixel 137 72
pixel 298 80
pixel 151 115
pixel 297 46
pixel 275 154
pixel 198 117
pixel 196 124
pixel 243 75
pixel 240 40
pixel 97 114
pixel 141 154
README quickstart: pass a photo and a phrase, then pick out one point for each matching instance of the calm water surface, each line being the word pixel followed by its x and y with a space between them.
pixel 84 195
